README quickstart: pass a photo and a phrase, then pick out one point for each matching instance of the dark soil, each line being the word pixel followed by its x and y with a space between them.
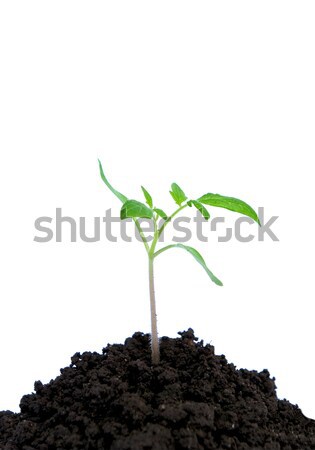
pixel 193 400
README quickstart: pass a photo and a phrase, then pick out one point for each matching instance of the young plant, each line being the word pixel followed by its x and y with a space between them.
pixel 137 210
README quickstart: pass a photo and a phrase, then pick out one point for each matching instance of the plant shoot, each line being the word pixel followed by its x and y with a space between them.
pixel 136 210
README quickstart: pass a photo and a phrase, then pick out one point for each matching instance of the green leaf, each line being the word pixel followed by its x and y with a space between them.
pixel 133 208
pixel 200 260
pixel 121 197
pixel 161 213
pixel 200 208
pixel 231 203
pixel 147 196
pixel 178 194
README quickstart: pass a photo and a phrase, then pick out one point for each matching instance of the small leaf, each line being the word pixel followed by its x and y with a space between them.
pixel 178 194
pixel 200 208
pixel 174 197
pixel 160 213
pixel 121 197
pixel 133 208
pixel 230 203
pixel 199 259
pixel 147 196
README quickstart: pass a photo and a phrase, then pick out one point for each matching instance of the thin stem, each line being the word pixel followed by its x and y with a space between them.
pixel 150 249
pixel 154 334
pixel 142 235
pixel 170 218
pixel 163 249
pixel 155 239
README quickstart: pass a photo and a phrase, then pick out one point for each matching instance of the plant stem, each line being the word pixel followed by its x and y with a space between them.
pixel 157 233
pixel 168 220
pixel 154 334
pixel 163 249
pixel 141 234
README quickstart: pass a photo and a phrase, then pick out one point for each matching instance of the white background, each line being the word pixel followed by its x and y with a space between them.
pixel 217 96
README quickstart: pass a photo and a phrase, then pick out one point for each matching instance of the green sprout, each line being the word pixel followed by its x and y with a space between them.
pixel 138 210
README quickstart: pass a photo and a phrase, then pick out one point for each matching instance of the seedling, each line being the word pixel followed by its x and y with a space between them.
pixel 137 210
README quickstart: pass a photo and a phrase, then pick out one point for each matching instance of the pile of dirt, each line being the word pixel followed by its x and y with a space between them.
pixel 193 400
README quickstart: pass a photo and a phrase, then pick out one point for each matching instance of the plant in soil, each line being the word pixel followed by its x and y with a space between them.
pixel 193 399
pixel 136 210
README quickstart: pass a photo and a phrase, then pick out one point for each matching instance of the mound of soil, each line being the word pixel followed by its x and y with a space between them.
pixel 193 400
